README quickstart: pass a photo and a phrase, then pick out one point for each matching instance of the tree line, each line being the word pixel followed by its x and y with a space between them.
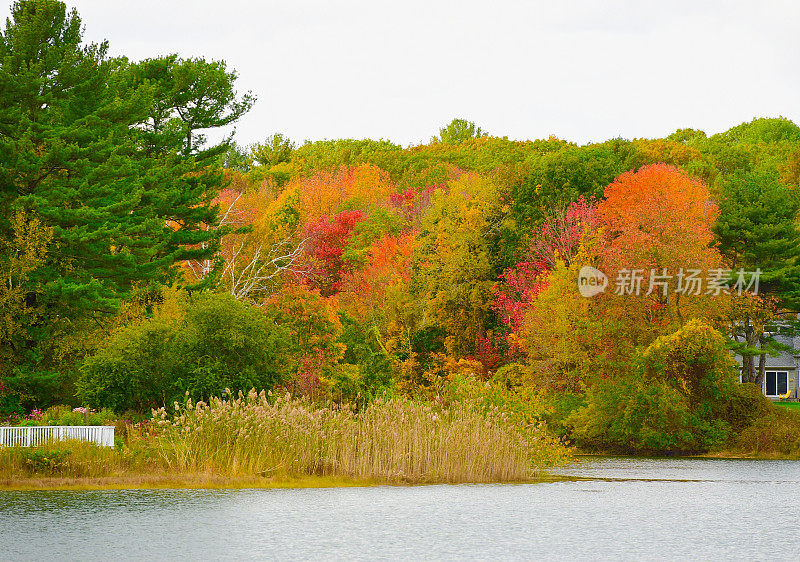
pixel 141 262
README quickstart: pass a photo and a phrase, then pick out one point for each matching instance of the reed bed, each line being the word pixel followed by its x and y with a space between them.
pixel 258 439
pixel 395 440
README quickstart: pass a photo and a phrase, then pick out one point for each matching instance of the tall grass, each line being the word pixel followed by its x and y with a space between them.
pixel 395 440
pixel 257 437
pixel 69 458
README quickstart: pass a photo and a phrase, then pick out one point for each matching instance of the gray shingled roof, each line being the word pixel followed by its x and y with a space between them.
pixel 786 359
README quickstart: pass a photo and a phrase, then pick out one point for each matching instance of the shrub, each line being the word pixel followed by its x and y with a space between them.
pixel 694 360
pixel 631 417
pixel 48 461
pixel 683 398
pixel 11 402
pixel 70 458
pixel 778 432
pixel 746 405
pixel 199 344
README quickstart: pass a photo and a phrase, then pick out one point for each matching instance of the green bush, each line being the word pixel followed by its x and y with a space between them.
pixel 70 458
pixel 746 405
pixel 201 345
pixel 683 398
pixel 49 461
pixel 562 406
pixel 778 432
pixel 631 417
pixel 365 371
pixel 27 387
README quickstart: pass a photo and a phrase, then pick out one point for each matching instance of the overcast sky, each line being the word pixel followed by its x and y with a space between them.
pixel 583 71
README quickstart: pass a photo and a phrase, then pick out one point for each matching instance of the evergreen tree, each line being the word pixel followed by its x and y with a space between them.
pixel 757 229
pixel 106 154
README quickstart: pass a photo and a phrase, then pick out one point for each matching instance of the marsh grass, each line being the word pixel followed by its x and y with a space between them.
pixel 395 440
pixel 261 441
pixel 67 458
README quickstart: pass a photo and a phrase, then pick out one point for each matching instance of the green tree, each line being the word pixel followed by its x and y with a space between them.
pixel 107 154
pixel 757 229
pixel 200 344
pixel 561 177
pixel 188 96
pixel 276 149
pixel 333 154
pixel 687 136
pixel 762 130
pixel 457 131
pixel 365 371
pixel 761 143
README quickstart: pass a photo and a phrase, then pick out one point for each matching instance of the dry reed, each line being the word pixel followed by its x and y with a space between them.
pixel 394 440
pixel 288 440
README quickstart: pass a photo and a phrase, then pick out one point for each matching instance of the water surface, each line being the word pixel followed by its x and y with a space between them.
pixel 615 508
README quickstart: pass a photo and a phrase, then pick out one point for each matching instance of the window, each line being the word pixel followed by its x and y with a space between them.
pixel 776 382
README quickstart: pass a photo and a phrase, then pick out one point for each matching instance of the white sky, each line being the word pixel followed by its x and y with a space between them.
pixel 582 70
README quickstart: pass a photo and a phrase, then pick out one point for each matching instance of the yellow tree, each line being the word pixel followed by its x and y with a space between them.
pixel 453 269
pixel 262 244
pixel 573 341
pixel 25 252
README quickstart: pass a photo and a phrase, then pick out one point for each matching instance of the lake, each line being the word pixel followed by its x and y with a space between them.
pixel 613 508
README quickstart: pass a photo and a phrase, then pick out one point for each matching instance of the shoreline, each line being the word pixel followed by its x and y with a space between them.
pixel 135 481
pixel 212 482
pixel 178 482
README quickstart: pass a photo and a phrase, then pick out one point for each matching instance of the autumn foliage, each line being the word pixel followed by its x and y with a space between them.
pixel 140 263
pixel 454 268
pixel 659 217
pixel 326 239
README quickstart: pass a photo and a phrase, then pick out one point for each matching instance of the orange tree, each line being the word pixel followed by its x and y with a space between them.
pixel 654 222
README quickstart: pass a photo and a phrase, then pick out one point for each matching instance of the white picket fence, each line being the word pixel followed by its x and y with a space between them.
pixel 102 435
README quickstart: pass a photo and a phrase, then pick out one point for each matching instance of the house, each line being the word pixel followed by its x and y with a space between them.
pixel 781 378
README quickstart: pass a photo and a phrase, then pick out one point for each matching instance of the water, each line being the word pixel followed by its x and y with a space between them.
pixel 613 509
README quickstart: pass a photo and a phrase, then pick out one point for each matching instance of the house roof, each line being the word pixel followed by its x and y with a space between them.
pixel 786 359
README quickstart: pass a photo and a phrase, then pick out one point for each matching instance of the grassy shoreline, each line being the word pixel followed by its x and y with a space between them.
pixel 213 482
pixel 176 482
pixel 261 442
pixel 195 481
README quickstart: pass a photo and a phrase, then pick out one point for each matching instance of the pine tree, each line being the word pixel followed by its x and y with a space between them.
pixel 105 153
pixel 757 229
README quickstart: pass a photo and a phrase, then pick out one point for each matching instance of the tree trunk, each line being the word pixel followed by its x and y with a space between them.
pixel 748 369
pixel 762 362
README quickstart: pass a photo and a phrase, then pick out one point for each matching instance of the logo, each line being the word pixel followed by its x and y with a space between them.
pixel 591 281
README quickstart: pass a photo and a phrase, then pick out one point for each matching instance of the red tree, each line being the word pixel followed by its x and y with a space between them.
pixel 327 239
pixel 558 239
